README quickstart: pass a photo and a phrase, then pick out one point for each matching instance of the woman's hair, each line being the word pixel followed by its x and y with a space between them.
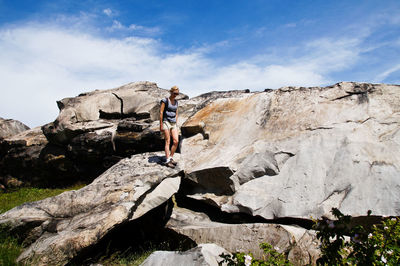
pixel 174 88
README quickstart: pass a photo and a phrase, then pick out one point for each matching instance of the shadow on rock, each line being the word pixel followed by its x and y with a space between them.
pixel 157 159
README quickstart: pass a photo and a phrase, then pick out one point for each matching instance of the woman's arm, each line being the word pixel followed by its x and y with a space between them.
pixel 161 115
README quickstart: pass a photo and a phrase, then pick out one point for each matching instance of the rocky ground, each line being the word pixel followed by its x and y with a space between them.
pixel 253 167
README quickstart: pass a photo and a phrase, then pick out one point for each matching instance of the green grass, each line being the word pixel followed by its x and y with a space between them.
pixel 9 249
pixel 9 246
pixel 9 200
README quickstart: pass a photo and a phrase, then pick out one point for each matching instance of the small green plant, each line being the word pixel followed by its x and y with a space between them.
pixel 271 257
pixel 376 245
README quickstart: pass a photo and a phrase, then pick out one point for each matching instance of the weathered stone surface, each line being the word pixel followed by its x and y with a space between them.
pixel 10 127
pixel 28 157
pixel 298 152
pixel 300 244
pixel 131 141
pixel 204 254
pixel 58 228
pixel 187 108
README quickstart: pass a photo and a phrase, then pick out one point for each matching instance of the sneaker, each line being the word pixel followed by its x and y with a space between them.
pixel 170 164
pixel 173 162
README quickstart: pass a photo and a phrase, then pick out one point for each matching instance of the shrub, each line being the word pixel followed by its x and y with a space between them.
pixel 271 257
pixel 375 245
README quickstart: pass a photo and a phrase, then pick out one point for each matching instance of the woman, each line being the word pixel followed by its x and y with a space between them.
pixel 168 120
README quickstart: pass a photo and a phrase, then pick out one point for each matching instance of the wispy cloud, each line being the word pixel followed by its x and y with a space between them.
pixel 385 74
pixel 118 26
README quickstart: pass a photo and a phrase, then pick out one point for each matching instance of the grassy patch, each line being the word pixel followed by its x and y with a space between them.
pixel 11 199
pixel 9 249
pixel 9 246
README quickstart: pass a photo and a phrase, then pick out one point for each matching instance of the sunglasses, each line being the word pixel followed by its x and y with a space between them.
pixel 176 93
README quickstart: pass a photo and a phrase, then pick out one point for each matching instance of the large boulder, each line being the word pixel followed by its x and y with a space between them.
pixel 10 127
pixel 298 152
pixel 57 229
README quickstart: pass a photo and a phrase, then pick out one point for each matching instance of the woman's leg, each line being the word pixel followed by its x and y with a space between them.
pixel 167 137
pixel 175 139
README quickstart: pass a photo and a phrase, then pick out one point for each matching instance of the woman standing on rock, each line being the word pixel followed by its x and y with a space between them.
pixel 168 120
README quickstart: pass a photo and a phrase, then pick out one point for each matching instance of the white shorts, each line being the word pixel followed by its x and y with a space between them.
pixel 169 125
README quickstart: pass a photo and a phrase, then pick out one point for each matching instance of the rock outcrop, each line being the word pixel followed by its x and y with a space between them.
pixel 253 167
pixel 11 127
pixel 8 129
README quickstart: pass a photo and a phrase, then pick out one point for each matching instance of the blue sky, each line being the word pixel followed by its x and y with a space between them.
pixel 50 50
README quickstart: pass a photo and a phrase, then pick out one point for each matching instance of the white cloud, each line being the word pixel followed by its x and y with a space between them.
pixel 385 74
pixel 42 63
pixel 108 12
pixel 116 25
pixel 328 55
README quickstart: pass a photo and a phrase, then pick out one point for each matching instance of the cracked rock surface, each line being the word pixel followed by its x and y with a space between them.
pixel 298 152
